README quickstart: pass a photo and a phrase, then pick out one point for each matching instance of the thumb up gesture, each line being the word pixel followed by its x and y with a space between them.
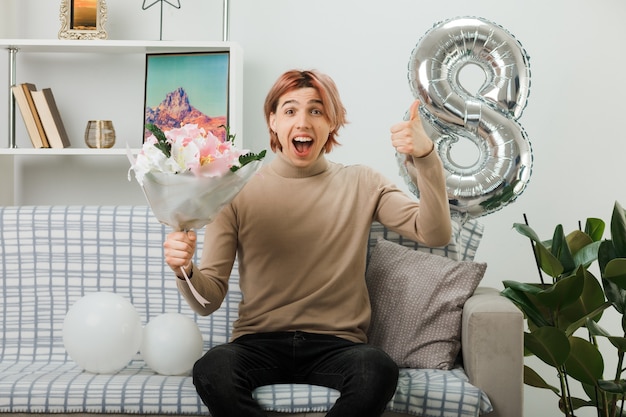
pixel 409 137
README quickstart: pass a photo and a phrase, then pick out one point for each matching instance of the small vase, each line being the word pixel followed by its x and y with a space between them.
pixel 100 134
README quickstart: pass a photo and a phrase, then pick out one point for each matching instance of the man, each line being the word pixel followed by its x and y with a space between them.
pixel 299 230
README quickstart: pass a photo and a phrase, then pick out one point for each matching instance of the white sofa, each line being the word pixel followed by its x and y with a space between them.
pixel 53 255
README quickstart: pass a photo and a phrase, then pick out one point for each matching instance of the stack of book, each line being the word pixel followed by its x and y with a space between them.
pixel 41 116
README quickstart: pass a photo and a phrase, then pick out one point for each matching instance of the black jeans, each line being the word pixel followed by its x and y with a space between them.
pixel 226 375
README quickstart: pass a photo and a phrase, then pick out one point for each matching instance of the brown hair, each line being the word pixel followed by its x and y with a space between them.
pixel 294 79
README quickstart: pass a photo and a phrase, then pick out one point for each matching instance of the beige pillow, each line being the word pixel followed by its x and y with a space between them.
pixel 417 300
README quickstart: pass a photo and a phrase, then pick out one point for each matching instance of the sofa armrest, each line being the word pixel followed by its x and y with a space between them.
pixel 493 350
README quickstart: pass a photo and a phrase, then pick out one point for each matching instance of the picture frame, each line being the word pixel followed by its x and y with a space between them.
pixel 189 87
pixel 83 19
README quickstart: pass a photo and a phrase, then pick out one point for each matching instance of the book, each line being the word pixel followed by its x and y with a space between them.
pixel 51 118
pixel 34 127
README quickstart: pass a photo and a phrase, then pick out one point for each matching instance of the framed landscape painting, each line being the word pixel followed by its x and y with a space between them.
pixel 83 19
pixel 184 88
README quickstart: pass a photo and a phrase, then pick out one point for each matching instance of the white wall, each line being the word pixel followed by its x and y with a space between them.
pixel 573 117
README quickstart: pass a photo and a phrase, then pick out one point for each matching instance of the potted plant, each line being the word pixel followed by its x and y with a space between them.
pixel 563 312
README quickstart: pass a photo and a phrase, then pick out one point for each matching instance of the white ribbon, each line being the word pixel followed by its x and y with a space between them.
pixel 199 298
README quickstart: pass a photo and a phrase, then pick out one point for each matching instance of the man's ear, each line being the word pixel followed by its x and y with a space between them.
pixel 272 120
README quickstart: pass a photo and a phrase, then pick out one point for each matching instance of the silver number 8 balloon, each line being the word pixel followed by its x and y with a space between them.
pixel 487 118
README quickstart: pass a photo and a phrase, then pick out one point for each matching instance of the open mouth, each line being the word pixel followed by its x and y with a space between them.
pixel 302 144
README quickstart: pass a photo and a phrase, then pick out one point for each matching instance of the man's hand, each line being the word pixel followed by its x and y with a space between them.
pixel 179 249
pixel 409 137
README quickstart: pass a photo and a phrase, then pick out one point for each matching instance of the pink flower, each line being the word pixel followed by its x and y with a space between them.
pixel 191 149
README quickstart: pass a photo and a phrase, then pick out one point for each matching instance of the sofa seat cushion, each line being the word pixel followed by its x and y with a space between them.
pixel 420 392
pixel 62 387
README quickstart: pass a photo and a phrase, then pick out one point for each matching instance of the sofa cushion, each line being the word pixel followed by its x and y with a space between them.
pixel 417 301
pixel 420 392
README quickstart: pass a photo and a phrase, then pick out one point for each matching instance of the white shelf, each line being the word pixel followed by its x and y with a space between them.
pixel 66 151
pixel 80 174
pixel 111 46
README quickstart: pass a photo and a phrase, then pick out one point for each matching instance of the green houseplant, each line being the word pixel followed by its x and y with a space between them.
pixel 563 311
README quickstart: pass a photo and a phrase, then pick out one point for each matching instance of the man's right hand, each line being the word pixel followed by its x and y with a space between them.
pixel 179 250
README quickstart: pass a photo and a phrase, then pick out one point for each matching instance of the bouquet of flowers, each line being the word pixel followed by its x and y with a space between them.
pixel 188 175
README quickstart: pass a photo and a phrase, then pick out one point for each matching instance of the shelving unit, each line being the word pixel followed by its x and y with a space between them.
pixel 14 160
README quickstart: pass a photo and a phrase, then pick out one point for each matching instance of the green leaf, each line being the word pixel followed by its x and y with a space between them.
pixel 595 396
pixel 618 342
pixel 515 292
pixel 613 387
pixel 562 292
pixel 618 230
pixel 545 259
pixel 162 142
pixel 527 231
pixel 247 158
pixel 576 403
pixel 595 330
pixel 594 228
pixel 549 344
pixel 577 240
pixel 594 315
pixel 613 292
pixel 587 254
pixel 615 271
pixel 548 262
pixel 523 286
pixel 615 295
pixel 533 379
pixel 590 304
pixel 561 250
pixel 584 363
pixel 606 252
